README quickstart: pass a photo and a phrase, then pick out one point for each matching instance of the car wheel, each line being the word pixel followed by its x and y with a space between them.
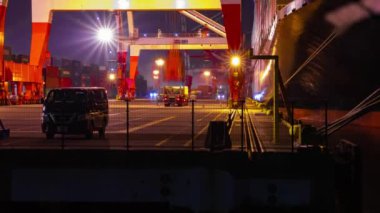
pixel 49 132
pixel 90 131
pixel 102 133
pixel 49 135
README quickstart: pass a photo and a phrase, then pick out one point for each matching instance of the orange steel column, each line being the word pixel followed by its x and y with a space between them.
pixel 20 94
pixel 3 9
pixel 121 58
pixel 232 21
pixel 39 45
pixel 134 61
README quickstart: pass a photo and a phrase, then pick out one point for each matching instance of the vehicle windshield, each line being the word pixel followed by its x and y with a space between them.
pixel 67 101
pixel 67 96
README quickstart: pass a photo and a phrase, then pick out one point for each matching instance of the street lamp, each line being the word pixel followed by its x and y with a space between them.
pixel 160 62
pixel 207 73
pixel 156 72
pixel 112 76
pixel 105 35
pixel 235 61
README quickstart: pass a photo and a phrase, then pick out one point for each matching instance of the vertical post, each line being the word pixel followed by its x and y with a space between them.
pixel 242 125
pixel 192 125
pixel 63 135
pixel 44 83
pixel 276 120
pixel 127 111
pixel 292 114
pixel 326 124
pixel 63 141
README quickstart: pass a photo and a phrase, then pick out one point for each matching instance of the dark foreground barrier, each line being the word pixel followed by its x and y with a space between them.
pixel 172 181
pixel 218 137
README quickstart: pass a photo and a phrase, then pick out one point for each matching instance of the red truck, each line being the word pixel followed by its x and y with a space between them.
pixel 176 95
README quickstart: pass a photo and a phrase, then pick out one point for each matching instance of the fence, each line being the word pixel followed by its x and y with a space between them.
pixel 138 124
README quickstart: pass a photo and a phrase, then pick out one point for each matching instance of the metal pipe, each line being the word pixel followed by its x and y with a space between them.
pixel 276 119
pixel 192 125
pixel 326 125
pixel 292 114
pixel 242 126
pixel 127 110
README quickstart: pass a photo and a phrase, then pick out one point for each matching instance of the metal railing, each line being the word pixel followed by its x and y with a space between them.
pixel 139 124
pixel 172 35
pixel 361 109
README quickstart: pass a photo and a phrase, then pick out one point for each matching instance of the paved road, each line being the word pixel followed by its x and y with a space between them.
pixel 151 126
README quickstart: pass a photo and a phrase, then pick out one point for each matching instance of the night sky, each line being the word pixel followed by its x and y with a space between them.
pixel 73 34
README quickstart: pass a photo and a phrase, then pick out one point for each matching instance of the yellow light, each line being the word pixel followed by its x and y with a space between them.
pixel 235 61
pixel 155 77
pixel 235 74
pixel 180 4
pixel 160 62
pixel 156 72
pixel 207 73
pixel 123 4
pixel 112 76
pixel 105 35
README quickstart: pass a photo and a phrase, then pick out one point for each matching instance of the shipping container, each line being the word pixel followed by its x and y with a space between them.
pixel 66 82
pixel 52 82
pixel 65 73
pixel 52 71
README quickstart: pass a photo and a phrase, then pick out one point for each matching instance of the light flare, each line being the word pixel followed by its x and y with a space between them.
pixel 235 61
pixel 266 71
pixel 105 35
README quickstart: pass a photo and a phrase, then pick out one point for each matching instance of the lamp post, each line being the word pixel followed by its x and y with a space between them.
pixel 276 118
pixel 112 76
pixel 235 61
pixel 159 63
pixel 236 79
pixel 111 82
pixel 207 75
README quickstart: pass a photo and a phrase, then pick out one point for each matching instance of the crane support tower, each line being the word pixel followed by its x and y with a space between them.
pixel 121 58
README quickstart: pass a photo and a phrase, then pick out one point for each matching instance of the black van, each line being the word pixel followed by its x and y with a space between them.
pixel 75 110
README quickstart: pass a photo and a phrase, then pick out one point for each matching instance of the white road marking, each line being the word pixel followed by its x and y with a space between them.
pixel 164 141
pixel 123 122
pixel 134 129
pixel 168 139
pixel 198 120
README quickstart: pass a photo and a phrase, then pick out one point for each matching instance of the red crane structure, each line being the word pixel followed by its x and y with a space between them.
pixel 121 58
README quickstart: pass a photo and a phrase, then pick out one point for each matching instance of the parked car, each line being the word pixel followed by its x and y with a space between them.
pixel 75 110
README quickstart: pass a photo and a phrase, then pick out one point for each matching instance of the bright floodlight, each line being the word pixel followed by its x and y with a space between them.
pixel 207 73
pixel 156 72
pixel 235 61
pixel 160 62
pixel 124 4
pixel 112 76
pixel 105 35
